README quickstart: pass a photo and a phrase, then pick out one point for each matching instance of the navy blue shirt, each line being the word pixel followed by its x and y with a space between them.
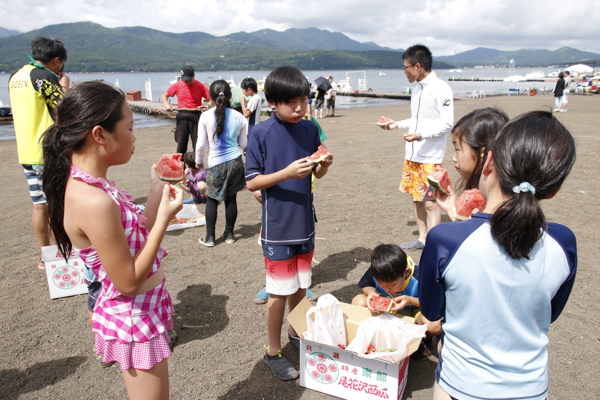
pixel 287 211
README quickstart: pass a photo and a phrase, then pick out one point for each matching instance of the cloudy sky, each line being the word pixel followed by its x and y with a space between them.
pixel 446 26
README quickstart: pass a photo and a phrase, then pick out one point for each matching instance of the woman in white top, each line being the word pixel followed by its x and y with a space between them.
pixel 224 132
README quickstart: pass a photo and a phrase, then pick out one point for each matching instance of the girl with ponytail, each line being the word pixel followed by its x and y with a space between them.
pixel 501 278
pixel 87 212
pixel 223 131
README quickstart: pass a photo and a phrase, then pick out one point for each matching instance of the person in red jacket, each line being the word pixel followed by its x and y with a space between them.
pixel 189 94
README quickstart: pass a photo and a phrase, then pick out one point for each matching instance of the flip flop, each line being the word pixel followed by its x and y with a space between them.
pixel 42 265
pixel 311 295
pixel 261 297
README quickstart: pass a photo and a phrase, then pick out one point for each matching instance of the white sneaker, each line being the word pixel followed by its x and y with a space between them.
pixel 556 109
pixel 563 110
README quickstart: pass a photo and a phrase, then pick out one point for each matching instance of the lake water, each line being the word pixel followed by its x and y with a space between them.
pixel 393 81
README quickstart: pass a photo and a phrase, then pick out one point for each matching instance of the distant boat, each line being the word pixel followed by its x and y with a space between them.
pixel 455 70
pixel 534 75
pixel 514 78
pixel 177 79
pixel 381 73
pixel 552 75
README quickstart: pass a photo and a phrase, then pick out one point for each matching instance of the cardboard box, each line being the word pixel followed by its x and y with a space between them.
pixel 342 373
pixel 134 95
pixel 64 279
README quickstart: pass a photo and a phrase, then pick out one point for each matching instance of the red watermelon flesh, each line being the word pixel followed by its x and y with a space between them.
pixel 467 202
pixel 439 179
pixel 379 303
pixel 170 168
pixel 319 155
pixel 383 120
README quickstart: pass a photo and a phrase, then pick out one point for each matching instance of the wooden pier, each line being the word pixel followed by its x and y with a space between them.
pixel 376 95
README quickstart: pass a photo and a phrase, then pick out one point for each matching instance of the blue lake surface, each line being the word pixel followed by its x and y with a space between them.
pixel 393 81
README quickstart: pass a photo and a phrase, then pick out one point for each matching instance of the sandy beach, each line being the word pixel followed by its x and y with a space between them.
pixel 47 344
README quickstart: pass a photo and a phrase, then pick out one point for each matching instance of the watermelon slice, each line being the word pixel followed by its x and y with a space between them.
pixel 466 203
pixel 170 168
pixel 383 120
pixel 439 179
pixel 319 155
pixel 379 303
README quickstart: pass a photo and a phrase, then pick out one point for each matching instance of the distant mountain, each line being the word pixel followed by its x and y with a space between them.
pixel 304 39
pixel 523 57
pixel 94 48
pixel 7 32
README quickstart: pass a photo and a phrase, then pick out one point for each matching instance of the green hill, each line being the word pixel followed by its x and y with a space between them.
pixel 523 57
pixel 94 48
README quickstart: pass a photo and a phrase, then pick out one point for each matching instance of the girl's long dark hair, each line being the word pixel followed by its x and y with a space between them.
pixel 87 105
pixel 536 148
pixel 220 93
pixel 477 129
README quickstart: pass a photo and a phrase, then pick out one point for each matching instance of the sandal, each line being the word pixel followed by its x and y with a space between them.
pixel 311 295
pixel 261 297
pixel 42 265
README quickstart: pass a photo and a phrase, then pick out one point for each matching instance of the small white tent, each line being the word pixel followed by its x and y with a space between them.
pixel 579 68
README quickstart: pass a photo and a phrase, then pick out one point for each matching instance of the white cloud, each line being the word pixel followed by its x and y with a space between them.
pixel 447 27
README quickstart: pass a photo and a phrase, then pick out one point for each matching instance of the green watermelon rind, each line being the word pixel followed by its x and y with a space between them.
pixel 436 185
pixel 459 217
pixel 169 179
pixel 383 123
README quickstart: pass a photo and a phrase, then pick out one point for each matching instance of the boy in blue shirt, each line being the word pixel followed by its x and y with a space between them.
pixel 277 165
pixel 394 274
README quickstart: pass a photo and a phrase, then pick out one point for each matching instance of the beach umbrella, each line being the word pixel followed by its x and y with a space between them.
pixel 579 68
pixel 323 83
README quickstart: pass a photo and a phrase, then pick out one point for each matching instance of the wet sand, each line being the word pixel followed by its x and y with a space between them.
pixel 47 345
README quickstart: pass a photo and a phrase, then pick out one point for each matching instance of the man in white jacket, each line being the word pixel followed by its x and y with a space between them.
pixel 432 118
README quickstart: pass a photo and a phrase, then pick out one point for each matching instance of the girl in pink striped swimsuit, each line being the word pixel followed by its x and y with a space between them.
pixel 94 131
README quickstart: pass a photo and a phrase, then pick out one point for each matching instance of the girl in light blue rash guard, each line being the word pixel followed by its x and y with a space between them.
pixel 224 132
pixel 500 278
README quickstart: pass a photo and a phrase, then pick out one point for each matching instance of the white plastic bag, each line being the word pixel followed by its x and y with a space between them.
pixel 192 218
pixel 327 328
pixel 385 332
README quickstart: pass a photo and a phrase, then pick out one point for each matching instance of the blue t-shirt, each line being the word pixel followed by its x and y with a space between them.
pixel 411 289
pixel 497 310
pixel 287 208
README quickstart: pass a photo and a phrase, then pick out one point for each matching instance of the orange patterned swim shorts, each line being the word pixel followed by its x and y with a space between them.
pixel 414 179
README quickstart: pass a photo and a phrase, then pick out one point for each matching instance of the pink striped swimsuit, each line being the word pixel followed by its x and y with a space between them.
pixel 131 330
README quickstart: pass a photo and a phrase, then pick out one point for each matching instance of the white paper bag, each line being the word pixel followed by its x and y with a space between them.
pixel 327 328
pixel 385 332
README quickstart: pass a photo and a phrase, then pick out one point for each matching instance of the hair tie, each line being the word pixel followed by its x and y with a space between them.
pixel 221 94
pixel 524 187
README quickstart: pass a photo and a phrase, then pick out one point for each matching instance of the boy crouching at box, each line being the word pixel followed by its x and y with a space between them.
pixel 393 274
pixel 277 165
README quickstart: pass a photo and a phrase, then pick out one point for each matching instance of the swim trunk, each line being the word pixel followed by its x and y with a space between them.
pixel 33 173
pixel 288 267
pixel 319 104
pixel 414 180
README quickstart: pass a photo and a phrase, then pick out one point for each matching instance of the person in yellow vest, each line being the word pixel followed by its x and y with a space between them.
pixel 35 90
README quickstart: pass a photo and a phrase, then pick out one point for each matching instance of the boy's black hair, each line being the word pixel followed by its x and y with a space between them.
pixel 388 263
pixel 189 159
pixel 285 83
pixel 249 83
pixel 45 49
pixel 418 54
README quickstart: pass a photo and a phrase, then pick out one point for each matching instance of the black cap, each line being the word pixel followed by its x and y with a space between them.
pixel 187 73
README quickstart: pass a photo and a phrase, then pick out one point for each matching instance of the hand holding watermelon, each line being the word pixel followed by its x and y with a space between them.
pixel 299 169
pixel 387 123
pixel 377 303
pixel 171 203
